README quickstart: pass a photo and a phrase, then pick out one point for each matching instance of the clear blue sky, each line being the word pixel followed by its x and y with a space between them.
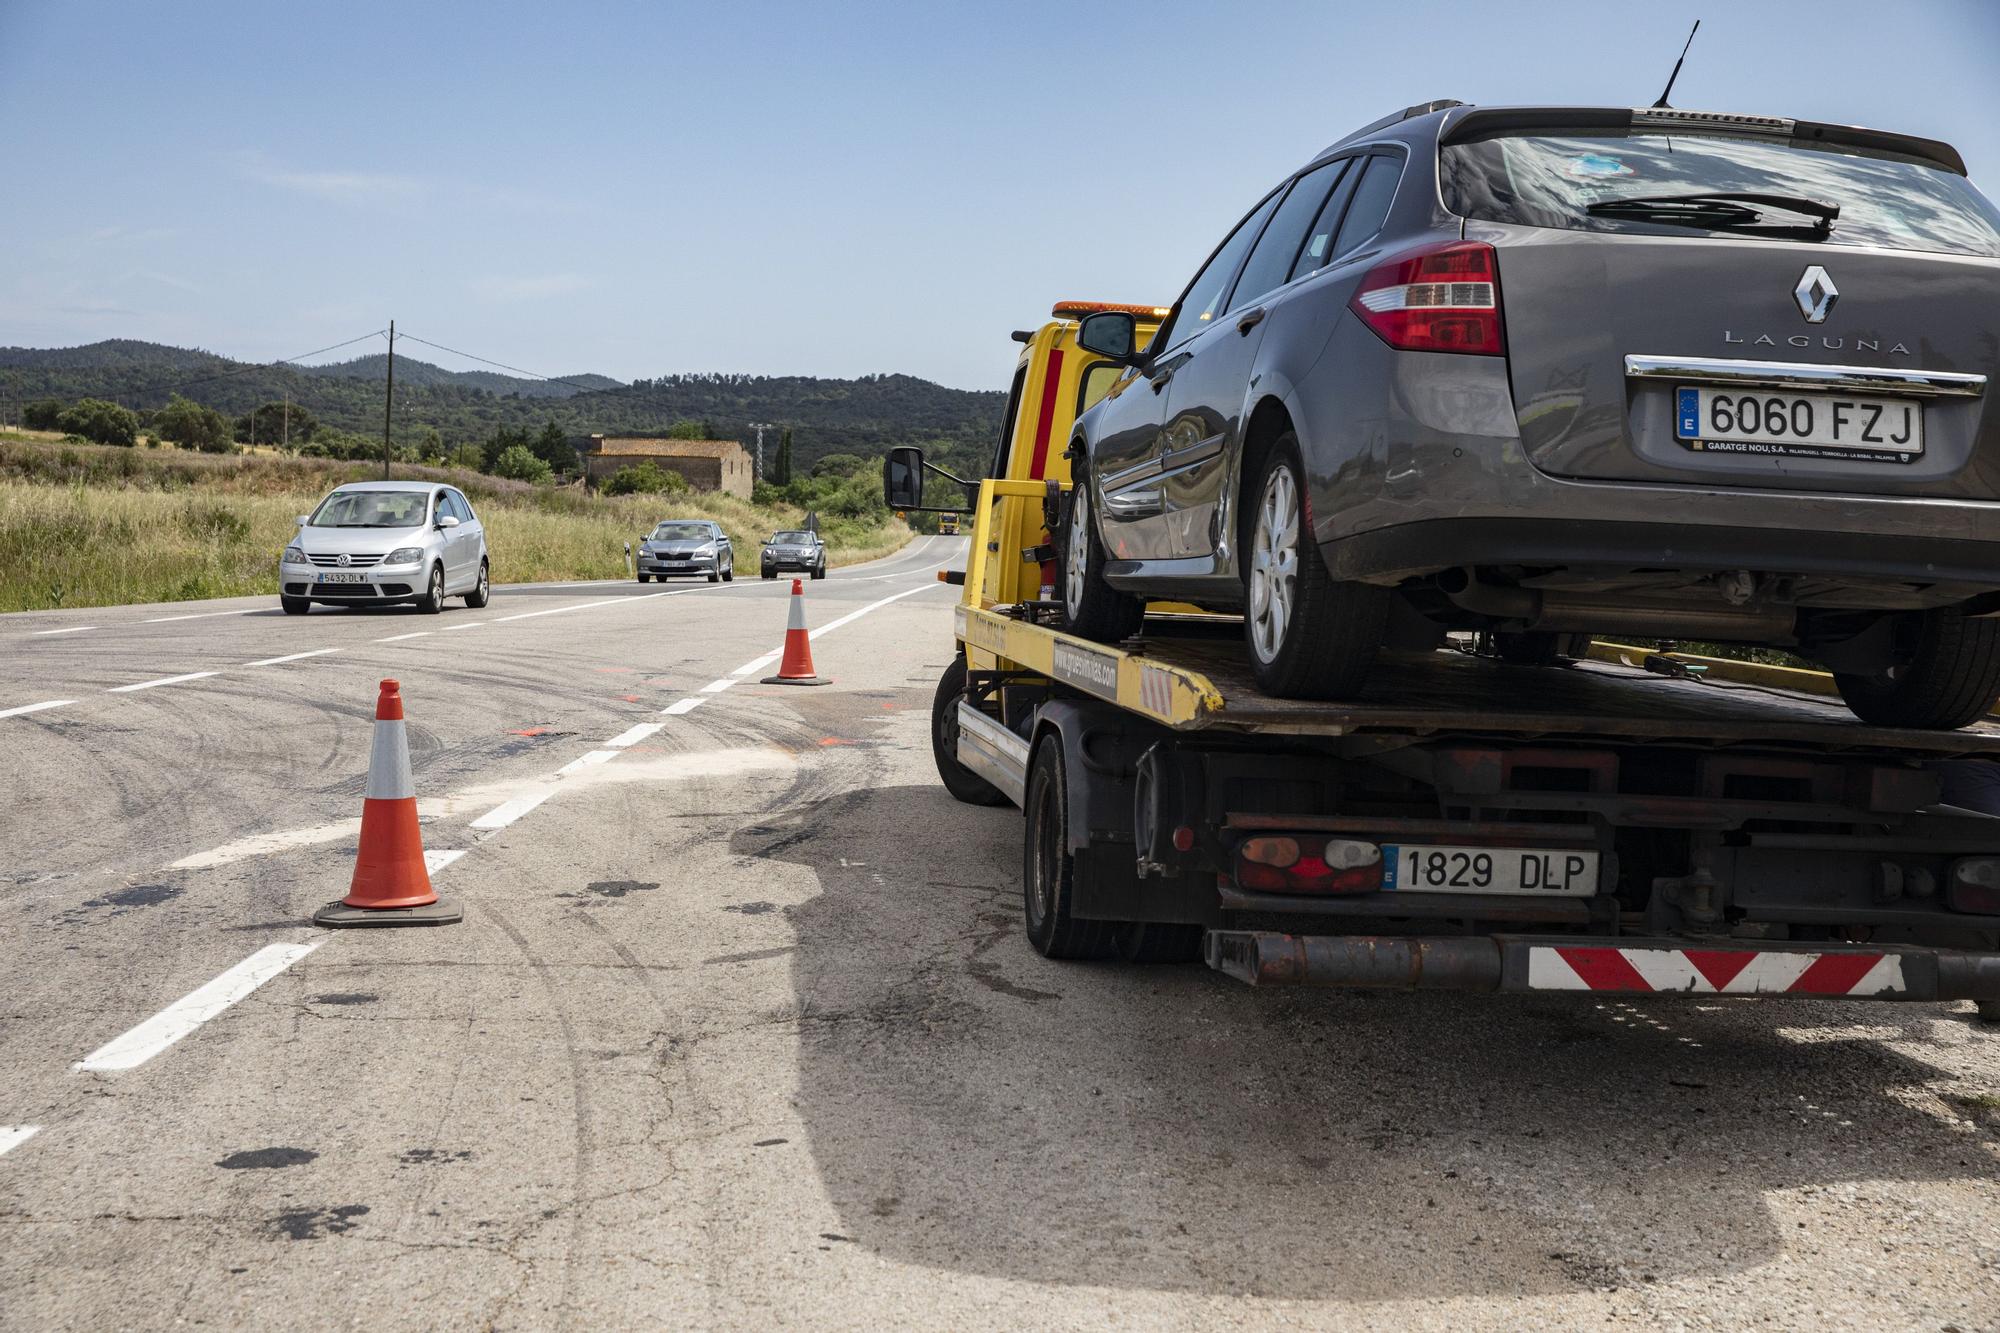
pixel 830 189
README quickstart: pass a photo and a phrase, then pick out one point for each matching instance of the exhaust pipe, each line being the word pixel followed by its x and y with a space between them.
pixel 1571 613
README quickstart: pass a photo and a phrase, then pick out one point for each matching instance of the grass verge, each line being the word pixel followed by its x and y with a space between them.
pixel 92 525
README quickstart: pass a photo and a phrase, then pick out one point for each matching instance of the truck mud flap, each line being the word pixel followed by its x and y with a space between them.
pixel 1623 966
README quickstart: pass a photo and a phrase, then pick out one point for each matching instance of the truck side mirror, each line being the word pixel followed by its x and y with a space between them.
pixel 903 478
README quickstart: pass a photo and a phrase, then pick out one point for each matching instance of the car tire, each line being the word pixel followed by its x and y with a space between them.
pixel 1951 679
pixel 1309 636
pixel 482 591
pixel 1048 868
pixel 295 606
pixel 964 784
pixel 819 571
pixel 1090 606
pixel 769 572
pixel 432 601
pixel 647 578
pixel 729 574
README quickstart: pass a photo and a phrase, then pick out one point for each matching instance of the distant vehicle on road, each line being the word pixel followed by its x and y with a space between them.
pixel 948 526
pixel 794 549
pixel 687 547
pixel 383 543
pixel 1548 370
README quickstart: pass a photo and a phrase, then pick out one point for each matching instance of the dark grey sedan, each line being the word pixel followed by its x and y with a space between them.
pixel 1542 371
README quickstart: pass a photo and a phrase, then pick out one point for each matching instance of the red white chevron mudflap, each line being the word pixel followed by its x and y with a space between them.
pixel 1713 971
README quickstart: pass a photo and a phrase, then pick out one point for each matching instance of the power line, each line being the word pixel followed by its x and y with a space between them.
pixel 501 365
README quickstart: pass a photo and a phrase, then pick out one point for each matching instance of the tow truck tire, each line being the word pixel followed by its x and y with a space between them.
pixel 1319 638
pixel 1988 1010
pixel 1090 606
pixel 964 784
pixel 1951 679
pixel 1048 870
pixel 1159 942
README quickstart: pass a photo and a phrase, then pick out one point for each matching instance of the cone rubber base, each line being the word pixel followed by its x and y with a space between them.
pixel 795 680
pixel 440 913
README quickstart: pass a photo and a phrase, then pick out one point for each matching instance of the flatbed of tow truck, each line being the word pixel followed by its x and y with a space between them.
pixel 1465 823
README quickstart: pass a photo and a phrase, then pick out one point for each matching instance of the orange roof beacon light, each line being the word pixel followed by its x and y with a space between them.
pixel 1072 309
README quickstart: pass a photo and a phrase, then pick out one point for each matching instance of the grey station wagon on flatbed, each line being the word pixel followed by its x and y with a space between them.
pixel 1545 371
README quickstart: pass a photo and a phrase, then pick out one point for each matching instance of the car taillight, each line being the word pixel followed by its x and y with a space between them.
pixel 1304 863
pixel 1442 298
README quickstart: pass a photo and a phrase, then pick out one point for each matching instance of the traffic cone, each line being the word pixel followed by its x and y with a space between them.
pixel 796 666
pixel 391 886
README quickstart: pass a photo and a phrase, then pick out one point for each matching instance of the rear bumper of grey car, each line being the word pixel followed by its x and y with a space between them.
pixel 1409 550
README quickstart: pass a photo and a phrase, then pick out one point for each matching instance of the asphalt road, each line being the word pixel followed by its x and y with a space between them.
pixel 740 1030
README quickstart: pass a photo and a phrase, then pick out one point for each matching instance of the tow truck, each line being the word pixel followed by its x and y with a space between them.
pixel 1468 824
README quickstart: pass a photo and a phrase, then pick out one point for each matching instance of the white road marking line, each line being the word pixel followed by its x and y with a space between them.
pixel 687 705
pixel 757 664
pixel 164 680
pixel 184 1015
pixel 594 757
pixel 398 638
pixel 203 615
pixel 435 861
pixel 36 708
pixel 263 844
pixel 73 629
pixel 852 616
pixel 633 735
pixel 577 606
pixel 13 1136
pixel 293 657
pixel 718 686
pixel 500 816
pixel 469 624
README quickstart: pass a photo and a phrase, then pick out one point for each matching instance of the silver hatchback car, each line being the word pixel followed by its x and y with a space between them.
pixel 378 543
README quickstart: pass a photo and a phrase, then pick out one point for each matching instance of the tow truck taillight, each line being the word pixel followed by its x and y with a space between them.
pixel 1442 298
pixel 1307 864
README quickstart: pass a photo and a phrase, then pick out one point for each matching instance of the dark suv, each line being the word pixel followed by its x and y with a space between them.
pixel 1547 371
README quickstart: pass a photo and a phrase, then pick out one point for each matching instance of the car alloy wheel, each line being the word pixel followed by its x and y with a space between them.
pixel 1076 559
pixel 1274 564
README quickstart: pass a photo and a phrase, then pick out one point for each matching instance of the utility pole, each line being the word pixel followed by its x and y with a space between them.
pixel 760 427
pixel 388 400
pixel 288 420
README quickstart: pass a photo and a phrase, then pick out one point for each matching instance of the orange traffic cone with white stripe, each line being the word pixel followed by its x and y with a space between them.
pixel 391 885
pixel 796 666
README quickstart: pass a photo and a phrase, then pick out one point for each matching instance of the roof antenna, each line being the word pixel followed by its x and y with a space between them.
pixel 1662 103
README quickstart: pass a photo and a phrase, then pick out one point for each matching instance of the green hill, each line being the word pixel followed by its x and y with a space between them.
pixel 863 415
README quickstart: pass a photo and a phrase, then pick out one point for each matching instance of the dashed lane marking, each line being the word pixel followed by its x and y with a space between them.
pixel 589 760
pixel 164 680
pixel 36 708
pixel 73 629
pixel 718 686
pixel 204 615
pixel 436 859
pixel 687 705
pixel 500 816
pixel 398 638
pixel 13 1136
pixel 132 1049
pixel 633 735
pixel 292 657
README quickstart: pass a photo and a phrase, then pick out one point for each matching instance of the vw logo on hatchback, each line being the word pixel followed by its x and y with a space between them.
pixel 344 561
pixel 1815 295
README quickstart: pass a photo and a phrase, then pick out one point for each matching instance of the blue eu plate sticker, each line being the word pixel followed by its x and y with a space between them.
pixel 1596 166
pixel 1687 411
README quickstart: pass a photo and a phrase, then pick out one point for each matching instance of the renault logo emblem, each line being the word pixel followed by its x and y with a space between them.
pixel 344 561
pixel 1815 295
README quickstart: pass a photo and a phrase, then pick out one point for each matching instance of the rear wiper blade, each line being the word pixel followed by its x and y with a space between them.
pixel 1720 208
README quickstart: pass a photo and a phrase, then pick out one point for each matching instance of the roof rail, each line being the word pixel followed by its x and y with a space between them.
pixel 1407 113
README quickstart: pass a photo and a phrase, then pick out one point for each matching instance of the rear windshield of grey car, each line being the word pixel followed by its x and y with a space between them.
pixel 1554 180
pixel 371 509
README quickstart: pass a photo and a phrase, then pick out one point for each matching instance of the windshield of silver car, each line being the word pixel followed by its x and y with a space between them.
pixel 683 532
pixel 371 509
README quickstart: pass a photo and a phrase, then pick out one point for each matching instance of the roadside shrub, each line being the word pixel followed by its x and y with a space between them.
pixel 42 414
pixel 518 464
pixel 214 521
pixel 647 478
pixel 101 422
